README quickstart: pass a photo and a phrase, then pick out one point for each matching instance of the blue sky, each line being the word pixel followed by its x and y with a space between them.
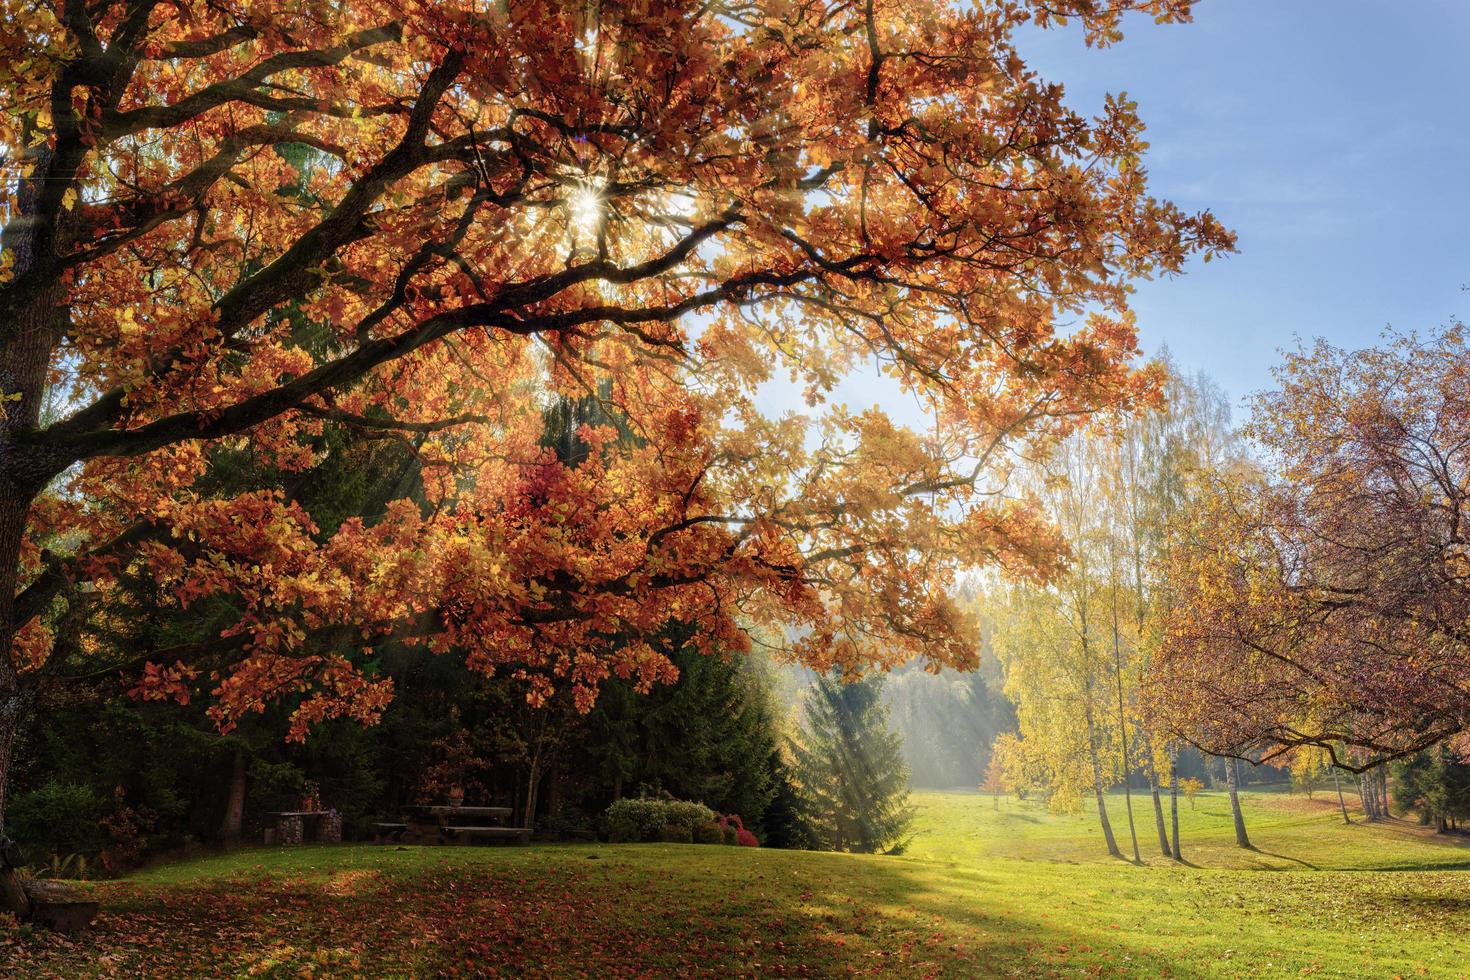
pixel 1334 138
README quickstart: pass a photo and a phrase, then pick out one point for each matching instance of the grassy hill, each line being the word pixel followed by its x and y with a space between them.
pixel 983 890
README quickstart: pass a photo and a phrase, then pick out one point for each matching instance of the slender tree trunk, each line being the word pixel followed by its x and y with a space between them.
pixel 1153 790
pixel 1097 786
pixel 1363 797
pixel 1341 803
pixel 1123 732
pixel 1383 792
pixel 1178 855
pixel 235 803
pixel 1159 827
pixel 1232 780
pixel 532 785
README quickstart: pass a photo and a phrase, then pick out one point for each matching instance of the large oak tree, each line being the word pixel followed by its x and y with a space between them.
pixel 231 224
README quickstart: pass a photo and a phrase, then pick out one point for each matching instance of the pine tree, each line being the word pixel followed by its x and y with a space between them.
pixel 850 770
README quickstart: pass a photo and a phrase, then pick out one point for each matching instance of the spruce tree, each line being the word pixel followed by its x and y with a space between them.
pixel 850 769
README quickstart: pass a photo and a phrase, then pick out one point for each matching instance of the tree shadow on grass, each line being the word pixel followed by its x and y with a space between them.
pixel 1283 857
pixel 655 911
pixel 1411 866
pixel 664 910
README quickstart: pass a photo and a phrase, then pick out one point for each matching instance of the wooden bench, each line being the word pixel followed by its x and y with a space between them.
pixel 436 823
pixel 518 835
pixel 384 832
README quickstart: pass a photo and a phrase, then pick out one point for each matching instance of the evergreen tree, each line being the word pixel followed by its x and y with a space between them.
pixel 711 737
pixel 1436 785
pixel 852 778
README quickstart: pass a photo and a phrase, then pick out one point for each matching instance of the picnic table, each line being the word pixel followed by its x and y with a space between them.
pixel 291 826
pixel 442 824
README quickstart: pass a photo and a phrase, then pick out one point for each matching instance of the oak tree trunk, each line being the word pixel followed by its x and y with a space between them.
pixel 28 334
pixel 12 895
pixel 25 349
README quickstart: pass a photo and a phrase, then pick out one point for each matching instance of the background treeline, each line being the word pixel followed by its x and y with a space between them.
pixel 114 777
pixel 111 774
pixel 119 780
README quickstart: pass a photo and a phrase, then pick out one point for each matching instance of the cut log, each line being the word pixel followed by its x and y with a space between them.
pixel 60 906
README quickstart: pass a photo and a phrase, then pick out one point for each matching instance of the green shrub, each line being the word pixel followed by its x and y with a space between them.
pixel 679 813
pixel 58 818
pixel 632 821
pixel 709 833
pixel 730 835
pixel 675 834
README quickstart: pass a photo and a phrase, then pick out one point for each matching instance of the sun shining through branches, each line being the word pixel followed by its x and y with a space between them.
pixel 464 422
pixel 586 208
pixel 367 256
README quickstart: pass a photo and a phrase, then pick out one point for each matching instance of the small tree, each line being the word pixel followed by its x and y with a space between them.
pixel 1189 786
pixel 995 780
pixel 1307 766
pixel 853 780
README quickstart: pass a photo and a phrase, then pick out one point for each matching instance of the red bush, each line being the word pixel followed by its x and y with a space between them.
pixel 743 837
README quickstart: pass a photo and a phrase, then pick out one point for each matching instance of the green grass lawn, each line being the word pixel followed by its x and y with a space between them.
pixel 982 891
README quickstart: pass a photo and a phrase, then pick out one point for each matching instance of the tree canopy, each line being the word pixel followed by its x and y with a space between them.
pixel 237 227
pixel 1321 594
